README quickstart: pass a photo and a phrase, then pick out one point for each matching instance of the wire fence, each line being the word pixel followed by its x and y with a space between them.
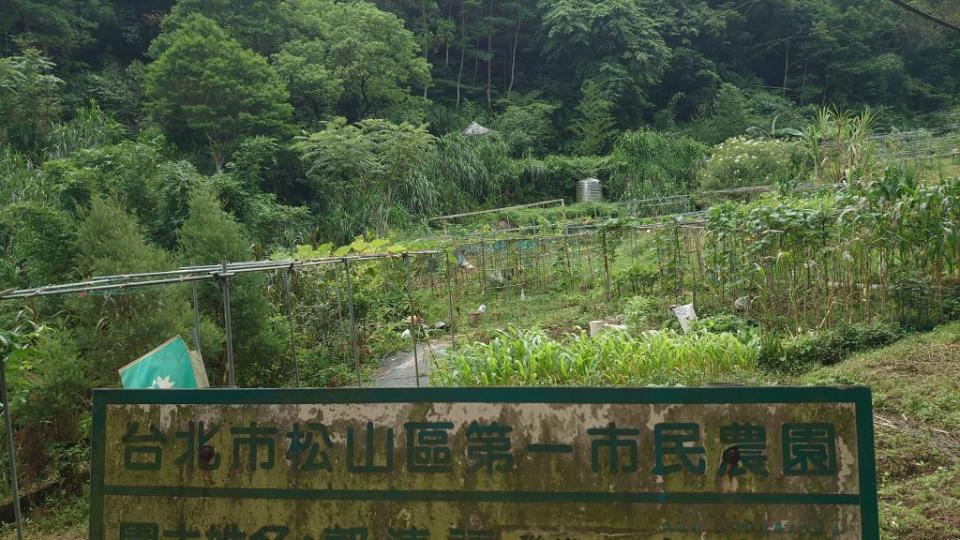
pixel 342 312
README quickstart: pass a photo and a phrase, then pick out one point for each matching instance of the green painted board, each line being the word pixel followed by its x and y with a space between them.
pixel 486 464
pixel 167 366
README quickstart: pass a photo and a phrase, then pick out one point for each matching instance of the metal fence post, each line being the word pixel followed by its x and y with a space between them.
pixel 412 318
pixel 287 278
pixel 453 332
pixel 353 321
pixel 483 271
pixel 606 262
pixel 196 319
pixel 228 326
pixel 11 454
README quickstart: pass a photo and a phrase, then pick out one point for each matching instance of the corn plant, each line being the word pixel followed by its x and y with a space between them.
pixel 531 357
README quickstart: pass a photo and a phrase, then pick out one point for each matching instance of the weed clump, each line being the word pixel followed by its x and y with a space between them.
pixel 827 347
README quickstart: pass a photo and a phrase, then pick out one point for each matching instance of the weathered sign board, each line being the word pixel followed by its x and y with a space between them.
pixel 483 464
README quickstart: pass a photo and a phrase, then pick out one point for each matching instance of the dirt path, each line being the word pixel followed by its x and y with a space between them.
pixel 399 370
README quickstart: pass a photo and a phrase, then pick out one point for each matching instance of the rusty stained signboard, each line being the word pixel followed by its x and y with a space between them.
pixel 483 464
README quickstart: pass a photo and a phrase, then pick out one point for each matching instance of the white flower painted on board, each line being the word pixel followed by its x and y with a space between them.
pixel 163 383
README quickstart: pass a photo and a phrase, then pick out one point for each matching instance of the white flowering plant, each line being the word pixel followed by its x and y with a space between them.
pixel 744 161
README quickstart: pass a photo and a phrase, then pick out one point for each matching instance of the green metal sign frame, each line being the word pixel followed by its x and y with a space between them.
pixel 859 397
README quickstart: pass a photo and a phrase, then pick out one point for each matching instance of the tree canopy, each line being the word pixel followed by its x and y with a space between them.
pixel 368 51
pixel 328 119
pixel 206 90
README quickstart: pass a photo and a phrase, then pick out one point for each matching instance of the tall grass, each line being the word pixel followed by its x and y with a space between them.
pixel 839 147
pixel 647 164
pixel 531 357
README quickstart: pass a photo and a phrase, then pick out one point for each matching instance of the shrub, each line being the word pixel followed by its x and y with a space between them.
pixel 210 235
pixel 29 102
pixel 723 323
pixel 918 306
pixel 318 369
pixel 770 352
pixel 727 115
pixel 369 174
pixel 90 128
pixel 742 161
pixel 643 312
pixel 726 323
pixel 49 390
pixel 951 302
pixel 636 277
pixel 828 347
pixel 386 340
pixel 772 109
pixel 138 173
pixel 18 179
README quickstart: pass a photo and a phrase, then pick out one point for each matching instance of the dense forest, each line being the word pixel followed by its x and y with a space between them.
pixel 321 119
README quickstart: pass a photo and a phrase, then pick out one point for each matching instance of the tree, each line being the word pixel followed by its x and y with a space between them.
pixel 125 30
pixel 314 89
pixel 369 173
pixel 211 235
pixel 205 90
pixel 37 241
pixel 137 174
pixel 612 42
pixel 376 59
pixel 113 330
pixel 693 31
pixel 56 27
pixel 29 101
pixel 423 18
pixel 594 125
pixel 256 24
pixel 117 90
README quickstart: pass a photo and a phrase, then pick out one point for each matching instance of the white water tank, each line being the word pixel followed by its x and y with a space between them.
pixel 589 190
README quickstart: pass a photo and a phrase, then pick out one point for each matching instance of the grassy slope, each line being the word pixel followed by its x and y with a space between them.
pixel 916 387
pixel 62 517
